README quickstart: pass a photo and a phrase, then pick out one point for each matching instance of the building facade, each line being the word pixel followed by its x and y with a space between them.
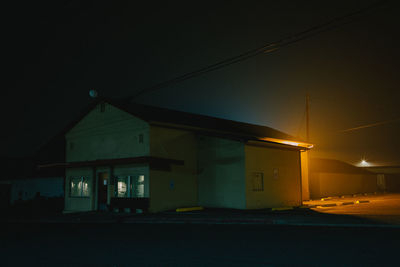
pixel 124 155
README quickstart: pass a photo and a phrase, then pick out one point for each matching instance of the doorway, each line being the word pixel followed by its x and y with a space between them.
pixel 102 190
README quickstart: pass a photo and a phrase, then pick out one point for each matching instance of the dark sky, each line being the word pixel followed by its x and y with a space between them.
pixel 54 53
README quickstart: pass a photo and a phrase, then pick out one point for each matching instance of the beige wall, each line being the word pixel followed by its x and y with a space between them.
pixel 221 173
pixel 107 135
pixel 337 184
pixel 177 187
pixel 104 135
pixel 282 188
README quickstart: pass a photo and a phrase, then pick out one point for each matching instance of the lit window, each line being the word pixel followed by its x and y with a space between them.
pixel 130 186
pixel 258 181
pixel 122 186
pixel 79 187
pixel 139 192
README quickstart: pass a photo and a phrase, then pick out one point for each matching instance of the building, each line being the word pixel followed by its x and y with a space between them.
pixel 21 182
pixel 388 177
pixel 330 177
pixel 121 154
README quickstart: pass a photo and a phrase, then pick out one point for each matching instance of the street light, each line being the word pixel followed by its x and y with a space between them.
pixel 364 163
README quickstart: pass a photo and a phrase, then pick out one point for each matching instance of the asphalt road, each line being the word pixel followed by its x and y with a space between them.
pixel 195 245
pixel 380 208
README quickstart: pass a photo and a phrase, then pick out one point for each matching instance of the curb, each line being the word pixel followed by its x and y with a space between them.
pixel 348 203
pixel 283 208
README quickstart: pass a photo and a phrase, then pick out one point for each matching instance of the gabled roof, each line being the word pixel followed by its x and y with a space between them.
pixel 199 123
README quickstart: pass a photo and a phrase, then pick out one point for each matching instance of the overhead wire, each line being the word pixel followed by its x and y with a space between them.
pixel 369 125
pixel 267 48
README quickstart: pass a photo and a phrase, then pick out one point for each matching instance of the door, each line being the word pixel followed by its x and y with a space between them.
pixel 102 190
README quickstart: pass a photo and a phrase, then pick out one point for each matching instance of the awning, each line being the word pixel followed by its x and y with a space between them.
pixel 154 163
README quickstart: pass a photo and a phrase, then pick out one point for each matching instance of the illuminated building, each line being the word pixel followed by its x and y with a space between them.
pixel 125 155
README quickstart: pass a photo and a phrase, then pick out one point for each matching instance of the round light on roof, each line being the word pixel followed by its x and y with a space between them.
pixel 93 93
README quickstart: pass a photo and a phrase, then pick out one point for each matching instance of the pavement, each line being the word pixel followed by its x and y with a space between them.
pixel 342 211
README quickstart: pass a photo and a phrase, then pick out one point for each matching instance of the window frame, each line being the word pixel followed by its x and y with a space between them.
pixel 83 180
pixel 132 183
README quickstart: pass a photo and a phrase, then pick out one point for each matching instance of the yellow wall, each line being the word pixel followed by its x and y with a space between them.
pixel 178 187
pixel 305 176
pixel 281 190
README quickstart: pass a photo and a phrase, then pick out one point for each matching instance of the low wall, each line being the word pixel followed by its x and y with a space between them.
pixel 336 184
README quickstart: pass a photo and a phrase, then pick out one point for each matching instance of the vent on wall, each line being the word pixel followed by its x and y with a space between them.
pixel 258 181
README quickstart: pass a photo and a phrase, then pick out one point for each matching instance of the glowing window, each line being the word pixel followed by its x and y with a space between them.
pixel 79 187
pixel 139 181
pixel 122 186
pixel 130 186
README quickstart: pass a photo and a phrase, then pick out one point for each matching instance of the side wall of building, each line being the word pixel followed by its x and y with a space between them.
pixel 177 187
pixel 26 189
pixel 281 175
pixel 221 168
pixel 337 184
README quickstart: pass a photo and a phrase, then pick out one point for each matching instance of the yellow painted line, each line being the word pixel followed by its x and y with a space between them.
pixel 283 208
pixel 189 209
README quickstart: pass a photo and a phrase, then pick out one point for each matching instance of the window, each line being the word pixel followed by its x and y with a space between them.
pixel 138 186
pixel 140 138
pixel 102 107
pixel 79 187
pixel 122 186
pixel 258 181
pixel 130 186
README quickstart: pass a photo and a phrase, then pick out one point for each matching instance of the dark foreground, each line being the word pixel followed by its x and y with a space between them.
pixel 122 244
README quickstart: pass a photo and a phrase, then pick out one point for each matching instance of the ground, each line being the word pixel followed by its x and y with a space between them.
pixel 196 245
pixel 297 237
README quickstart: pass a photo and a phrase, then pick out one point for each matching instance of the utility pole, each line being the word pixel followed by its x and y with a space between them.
pixel 307 118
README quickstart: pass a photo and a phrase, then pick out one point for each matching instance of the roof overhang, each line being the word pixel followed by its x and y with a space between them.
pixel 154 163
pixel 291 144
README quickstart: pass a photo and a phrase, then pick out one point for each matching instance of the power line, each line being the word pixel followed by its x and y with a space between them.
pixel 267 48
pixel 369 125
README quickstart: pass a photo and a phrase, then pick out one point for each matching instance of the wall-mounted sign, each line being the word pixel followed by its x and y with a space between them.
pixel 276 173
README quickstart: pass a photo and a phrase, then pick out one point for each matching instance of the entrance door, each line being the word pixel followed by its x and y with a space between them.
pixel 102 190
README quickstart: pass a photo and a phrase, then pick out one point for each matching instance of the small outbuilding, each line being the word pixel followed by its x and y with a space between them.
pixel 329 177
pixel 125 155
pixel 388 177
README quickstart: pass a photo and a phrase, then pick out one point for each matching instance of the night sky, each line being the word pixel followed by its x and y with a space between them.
pixel 55 52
